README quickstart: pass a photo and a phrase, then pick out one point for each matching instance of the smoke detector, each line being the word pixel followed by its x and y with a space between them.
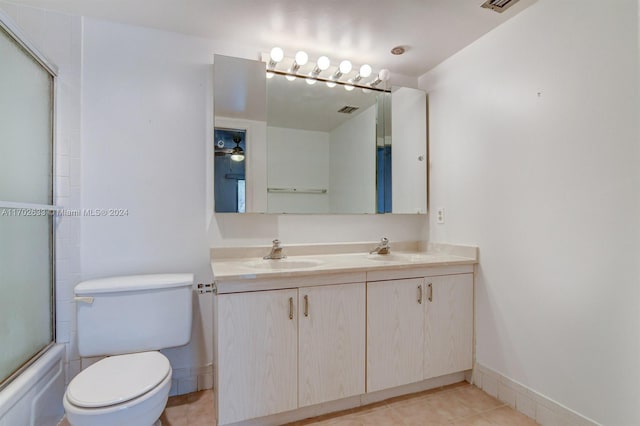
pixel 499 5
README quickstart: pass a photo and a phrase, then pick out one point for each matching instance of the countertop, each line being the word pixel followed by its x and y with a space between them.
pixel 238 264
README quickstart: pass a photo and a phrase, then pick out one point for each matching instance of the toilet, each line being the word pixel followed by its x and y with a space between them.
pixel 128 319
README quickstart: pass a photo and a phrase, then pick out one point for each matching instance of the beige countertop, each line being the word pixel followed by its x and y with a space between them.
pixel 246 263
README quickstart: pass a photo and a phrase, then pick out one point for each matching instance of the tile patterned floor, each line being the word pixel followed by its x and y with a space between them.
pixel 460 404
pixel 457 405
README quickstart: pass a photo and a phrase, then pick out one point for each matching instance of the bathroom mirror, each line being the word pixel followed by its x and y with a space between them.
pixel 318 149
pixel 321 147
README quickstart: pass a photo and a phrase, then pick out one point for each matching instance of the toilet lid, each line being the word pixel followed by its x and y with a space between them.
pixel 118 379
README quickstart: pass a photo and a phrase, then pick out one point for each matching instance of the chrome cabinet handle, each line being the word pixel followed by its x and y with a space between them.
pixel 306 305
pixel 430 292
pixel 420 294
pixel 291 308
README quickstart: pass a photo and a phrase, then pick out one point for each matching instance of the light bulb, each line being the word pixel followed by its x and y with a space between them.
pixel 365 71
pixel 384 74
pixel 301 57
pixel 290 77
pixel 237 156
pixel 323 63
pixel 348 87
pixel 331 84
pixel 310 81
pixel 277 54
pixel 345 66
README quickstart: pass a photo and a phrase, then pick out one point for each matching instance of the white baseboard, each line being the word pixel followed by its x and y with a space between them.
pixel 532 404
pixel 187 380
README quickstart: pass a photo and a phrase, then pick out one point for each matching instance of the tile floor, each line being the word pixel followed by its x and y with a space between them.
pixel 460 404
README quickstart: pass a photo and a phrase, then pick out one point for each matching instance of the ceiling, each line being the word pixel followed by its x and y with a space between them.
pixel 363 31
pixel 297 105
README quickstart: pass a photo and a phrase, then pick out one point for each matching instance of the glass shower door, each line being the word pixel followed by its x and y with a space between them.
pixel 26 206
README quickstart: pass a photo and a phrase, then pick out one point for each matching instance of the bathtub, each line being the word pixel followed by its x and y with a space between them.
pixel 34 398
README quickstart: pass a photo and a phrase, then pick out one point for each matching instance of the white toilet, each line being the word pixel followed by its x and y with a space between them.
pixel 128 318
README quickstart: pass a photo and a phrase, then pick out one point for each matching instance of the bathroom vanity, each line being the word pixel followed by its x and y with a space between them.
pixel 315 333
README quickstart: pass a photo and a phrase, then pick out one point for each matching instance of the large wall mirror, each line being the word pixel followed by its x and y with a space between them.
pixel 285 146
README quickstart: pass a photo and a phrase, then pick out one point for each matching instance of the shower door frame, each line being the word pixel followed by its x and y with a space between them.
pixel 18 36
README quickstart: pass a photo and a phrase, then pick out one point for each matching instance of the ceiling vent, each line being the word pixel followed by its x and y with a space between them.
pixel 499 5
pixel 348 109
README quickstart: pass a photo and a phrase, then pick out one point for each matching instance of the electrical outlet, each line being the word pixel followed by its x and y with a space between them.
pixel 440 215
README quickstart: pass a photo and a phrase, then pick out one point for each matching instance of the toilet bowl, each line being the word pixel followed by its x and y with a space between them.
pixel 128 319
pixel 127 389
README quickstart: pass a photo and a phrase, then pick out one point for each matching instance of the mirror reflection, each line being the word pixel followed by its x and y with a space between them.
pixel 229 167
pixel 321 147
pixel 310 148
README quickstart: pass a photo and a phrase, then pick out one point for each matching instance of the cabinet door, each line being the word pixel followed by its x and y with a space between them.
pixel 448 324
pixel 257 354
pixel 395 333
pixel 331 328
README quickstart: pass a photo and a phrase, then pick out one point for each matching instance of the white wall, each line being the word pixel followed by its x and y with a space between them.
pixel 147 121
pixel 352 167
pixel 534 153
pixel 297 159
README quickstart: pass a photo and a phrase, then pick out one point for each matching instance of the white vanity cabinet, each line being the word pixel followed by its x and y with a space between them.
pixel 448 343
pixel 292 345
pixel 257 354
pixel 418 328
pixel 395 333
pixel 278 350
pixel 331 339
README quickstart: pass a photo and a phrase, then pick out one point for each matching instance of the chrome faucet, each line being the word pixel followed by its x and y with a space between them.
pixel 383 247
pixel 276 251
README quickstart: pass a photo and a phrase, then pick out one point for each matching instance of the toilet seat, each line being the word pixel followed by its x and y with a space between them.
pixel 118 379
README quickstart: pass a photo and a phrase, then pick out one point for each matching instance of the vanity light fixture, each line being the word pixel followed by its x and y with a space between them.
pixel 383 75
pixel 322 64
pixel 364 72
pixel 276 55
pixel 344 68
pixel 300 59
pixel 312 72
pixel 238 153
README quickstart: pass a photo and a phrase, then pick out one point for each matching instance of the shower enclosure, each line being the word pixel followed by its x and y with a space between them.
pixel 26 204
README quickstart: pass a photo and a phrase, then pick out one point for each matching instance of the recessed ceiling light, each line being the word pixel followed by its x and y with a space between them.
pixel 398 50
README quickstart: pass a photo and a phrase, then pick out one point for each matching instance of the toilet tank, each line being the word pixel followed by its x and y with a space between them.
pixel 135 313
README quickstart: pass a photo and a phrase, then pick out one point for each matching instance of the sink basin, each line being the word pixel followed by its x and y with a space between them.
pixel 283 264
